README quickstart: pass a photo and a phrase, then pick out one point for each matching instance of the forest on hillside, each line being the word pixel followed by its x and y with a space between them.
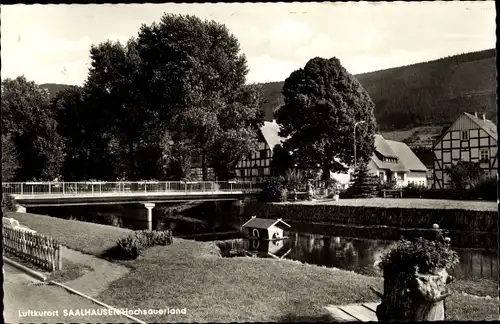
pixel 424 94
pixel 432 93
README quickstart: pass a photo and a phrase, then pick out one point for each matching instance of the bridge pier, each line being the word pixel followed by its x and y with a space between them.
pixel 149 207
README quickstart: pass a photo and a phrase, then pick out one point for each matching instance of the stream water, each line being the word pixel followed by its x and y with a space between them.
pixel 345 247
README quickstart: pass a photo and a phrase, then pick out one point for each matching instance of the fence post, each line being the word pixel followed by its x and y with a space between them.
pixel 59 258
pixel 63 187
pixel 22 184
pixel 49 189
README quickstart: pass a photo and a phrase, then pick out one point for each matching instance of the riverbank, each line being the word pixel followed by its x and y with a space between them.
pixel 192 275
pixel 477 216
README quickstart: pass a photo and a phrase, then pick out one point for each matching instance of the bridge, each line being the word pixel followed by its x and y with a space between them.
pixel 148 193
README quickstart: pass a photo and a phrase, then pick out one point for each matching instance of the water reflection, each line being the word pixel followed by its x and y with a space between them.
pixel 359 255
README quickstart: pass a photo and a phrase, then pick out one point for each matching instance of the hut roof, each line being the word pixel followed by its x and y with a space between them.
pixel 263 223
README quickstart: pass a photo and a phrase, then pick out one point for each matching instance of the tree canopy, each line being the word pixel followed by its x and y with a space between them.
pixel 29 121
pixel 146 109
pixel 322 104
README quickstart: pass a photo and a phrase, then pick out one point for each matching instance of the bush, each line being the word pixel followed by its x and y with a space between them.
pixel 414 191
pixel 422 254
pixel 273 191
pixel 134 244
pixel 9 203
pixel 486 189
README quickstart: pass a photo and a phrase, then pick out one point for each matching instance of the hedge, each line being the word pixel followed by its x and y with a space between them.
pixel 453 219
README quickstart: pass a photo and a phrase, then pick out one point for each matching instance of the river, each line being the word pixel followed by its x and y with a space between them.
pixel 345 247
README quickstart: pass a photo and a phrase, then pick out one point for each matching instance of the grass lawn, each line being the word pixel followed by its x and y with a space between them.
pixel 192 275
pixel 408 203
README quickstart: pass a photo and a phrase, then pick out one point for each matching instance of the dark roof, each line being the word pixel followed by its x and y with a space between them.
pixel 487 125
pixel 263 223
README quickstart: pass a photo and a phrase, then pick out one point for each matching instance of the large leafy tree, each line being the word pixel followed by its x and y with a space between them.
pixel 196 88
pixel 80 124
pixel 27 118
pixel 177 88
pixel 322 104
pixel 10 162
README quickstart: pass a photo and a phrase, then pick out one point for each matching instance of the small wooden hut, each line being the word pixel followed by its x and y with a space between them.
pixel 265 229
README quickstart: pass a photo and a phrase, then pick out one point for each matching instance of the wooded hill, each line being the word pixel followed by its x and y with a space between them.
pixel 424 94
pixel 432 93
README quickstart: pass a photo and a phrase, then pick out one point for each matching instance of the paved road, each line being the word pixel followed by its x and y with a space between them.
pixel 22 294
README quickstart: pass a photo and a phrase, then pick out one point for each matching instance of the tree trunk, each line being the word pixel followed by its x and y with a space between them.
pixel 204 170
pixel 414 297
pixel 326 178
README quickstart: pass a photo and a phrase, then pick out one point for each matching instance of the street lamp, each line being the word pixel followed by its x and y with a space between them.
pixel 356 124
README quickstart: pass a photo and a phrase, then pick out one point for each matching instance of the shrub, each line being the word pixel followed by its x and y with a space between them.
pixel 422 254
pixel 273 191
pixel 134 244
pixel 414 191
pixel 153 238
pixel 9 203
pixel 486 189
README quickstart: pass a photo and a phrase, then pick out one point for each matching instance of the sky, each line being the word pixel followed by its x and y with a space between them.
pixel 50 43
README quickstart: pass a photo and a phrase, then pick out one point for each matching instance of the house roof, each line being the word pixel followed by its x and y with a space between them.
pixel 383 147
pixel 270 132
pixel 263 223
pixel 394 167
pixel 487 125
pixel 407 160
pixel 406 156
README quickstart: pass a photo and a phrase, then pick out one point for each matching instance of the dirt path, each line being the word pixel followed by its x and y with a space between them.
pixel 92 283
pixel 25 300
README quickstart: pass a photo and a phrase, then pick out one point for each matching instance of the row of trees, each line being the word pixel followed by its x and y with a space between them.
pixel 175 91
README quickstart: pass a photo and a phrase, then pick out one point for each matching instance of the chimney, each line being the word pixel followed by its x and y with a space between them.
pixel 484 117
pixel 475 114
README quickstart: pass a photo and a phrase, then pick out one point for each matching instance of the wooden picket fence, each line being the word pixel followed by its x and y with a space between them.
pixel 36 248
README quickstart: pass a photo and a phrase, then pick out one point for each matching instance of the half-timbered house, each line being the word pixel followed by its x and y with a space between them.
pixel 470 138
pixel 257 166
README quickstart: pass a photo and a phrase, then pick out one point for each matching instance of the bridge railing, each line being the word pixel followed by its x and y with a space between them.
pixel 97 188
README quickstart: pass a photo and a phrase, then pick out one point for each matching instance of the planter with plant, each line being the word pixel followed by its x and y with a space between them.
pixel 415 279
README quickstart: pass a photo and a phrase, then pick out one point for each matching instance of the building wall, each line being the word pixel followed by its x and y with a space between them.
pixel 257 165
pixel 417 177
pixel 467 142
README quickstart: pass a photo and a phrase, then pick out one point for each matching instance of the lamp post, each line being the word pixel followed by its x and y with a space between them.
pixel 356 124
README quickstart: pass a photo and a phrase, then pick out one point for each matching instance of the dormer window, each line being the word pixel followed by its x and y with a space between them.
pixel 464 135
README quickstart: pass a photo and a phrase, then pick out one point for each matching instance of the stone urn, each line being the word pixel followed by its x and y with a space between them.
pixel 415 294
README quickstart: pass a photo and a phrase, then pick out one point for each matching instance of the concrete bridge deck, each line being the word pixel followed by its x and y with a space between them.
pixel 147 193
pixel 37 194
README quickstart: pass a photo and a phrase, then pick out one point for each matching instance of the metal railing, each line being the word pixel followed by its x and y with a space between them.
pixel 99 188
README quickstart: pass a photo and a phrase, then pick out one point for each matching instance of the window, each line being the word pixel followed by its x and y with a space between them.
pixel 263 154
pixel 484 156
pixel 381 176
pixel 465 135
